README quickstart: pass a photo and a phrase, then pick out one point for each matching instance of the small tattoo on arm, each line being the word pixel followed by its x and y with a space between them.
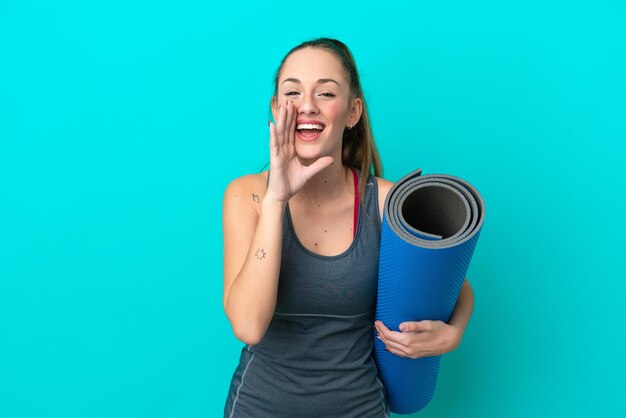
pixel 255 197
pixel 260 254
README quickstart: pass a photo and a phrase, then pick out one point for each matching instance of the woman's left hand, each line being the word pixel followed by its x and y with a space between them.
pixel 420 339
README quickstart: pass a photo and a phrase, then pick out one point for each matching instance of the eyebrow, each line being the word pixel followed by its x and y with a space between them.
pixel 320 81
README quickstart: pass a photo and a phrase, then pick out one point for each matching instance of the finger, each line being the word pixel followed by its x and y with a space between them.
pixel 397 352
pixel 318 166
pixel 292 131
pixel 394 344
pixel 286 117
pixel 414 326
pixel 405 349
pixel 273 141
pixel 280 124
pixel 398 337
pixel 386 332
pixel 288 121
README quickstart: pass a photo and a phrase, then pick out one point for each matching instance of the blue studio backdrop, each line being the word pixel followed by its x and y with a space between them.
pixel 122 122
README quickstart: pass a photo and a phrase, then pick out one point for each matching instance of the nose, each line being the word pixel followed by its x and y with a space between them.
pixel 306 104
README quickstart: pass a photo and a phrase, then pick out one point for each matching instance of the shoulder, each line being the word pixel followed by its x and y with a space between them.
pixel 383 189
pixel 247 191
pixel 383 186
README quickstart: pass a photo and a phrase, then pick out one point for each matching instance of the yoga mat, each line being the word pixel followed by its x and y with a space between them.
pixel 430 228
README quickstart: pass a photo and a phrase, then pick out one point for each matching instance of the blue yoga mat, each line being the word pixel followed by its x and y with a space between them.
pixel 430 228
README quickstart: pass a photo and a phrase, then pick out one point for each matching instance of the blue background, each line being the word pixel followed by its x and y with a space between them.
pixel 121 123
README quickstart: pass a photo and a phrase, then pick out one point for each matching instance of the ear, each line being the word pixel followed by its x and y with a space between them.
pixel 356 110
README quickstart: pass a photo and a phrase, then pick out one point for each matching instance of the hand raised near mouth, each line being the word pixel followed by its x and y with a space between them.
pixel 287 174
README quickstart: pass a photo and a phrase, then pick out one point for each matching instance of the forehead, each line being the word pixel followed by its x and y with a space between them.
pixel 311 64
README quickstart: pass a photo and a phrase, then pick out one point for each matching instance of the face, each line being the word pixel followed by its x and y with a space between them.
pixel 314 80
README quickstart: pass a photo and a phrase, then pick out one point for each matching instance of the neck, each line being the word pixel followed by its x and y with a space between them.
pixel 327 185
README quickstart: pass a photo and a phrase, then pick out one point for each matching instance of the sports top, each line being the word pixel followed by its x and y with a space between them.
pixel 315 359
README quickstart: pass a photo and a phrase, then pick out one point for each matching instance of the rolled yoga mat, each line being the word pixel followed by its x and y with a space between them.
pixel 430 228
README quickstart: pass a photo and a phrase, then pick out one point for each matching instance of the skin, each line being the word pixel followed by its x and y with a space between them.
pixel 310 176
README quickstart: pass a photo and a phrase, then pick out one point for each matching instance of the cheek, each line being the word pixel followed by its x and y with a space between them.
pixel 333 110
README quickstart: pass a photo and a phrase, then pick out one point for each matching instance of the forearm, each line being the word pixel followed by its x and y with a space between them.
pixel 463 308
pixel 252 296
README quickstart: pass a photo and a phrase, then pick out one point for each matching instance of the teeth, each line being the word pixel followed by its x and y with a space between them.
pixel 309 126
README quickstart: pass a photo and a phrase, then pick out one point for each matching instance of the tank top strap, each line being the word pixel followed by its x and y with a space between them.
pixel 370 201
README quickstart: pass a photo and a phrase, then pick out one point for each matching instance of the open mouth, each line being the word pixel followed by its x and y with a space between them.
pixel 309 131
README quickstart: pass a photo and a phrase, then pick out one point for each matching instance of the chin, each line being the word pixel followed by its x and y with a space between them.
pixel 313 151
pixel 308 159
pixel 309 151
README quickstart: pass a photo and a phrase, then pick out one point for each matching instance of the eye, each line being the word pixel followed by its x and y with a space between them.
pixel 291 93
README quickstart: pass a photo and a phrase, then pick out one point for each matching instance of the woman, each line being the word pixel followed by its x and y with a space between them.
pixel 301 246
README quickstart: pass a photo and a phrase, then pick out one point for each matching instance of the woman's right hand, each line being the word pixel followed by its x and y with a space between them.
pixel 287 174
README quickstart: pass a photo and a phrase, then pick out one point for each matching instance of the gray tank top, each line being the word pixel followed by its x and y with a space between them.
pixel 315 359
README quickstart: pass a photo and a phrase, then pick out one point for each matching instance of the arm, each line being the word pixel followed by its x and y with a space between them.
pixel 252 252
pixel 253 240
pixel 462 312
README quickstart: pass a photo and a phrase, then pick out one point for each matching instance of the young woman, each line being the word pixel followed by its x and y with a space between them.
pixel 301 247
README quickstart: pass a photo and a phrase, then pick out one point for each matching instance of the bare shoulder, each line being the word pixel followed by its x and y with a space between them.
pixel 383 189
pixel 383 186
pixel 247 191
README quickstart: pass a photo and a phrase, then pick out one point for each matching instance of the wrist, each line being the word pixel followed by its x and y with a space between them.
pixel 455 333
pixel 269 202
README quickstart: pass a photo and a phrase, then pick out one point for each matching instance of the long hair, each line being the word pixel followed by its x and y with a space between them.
pixel 358 148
